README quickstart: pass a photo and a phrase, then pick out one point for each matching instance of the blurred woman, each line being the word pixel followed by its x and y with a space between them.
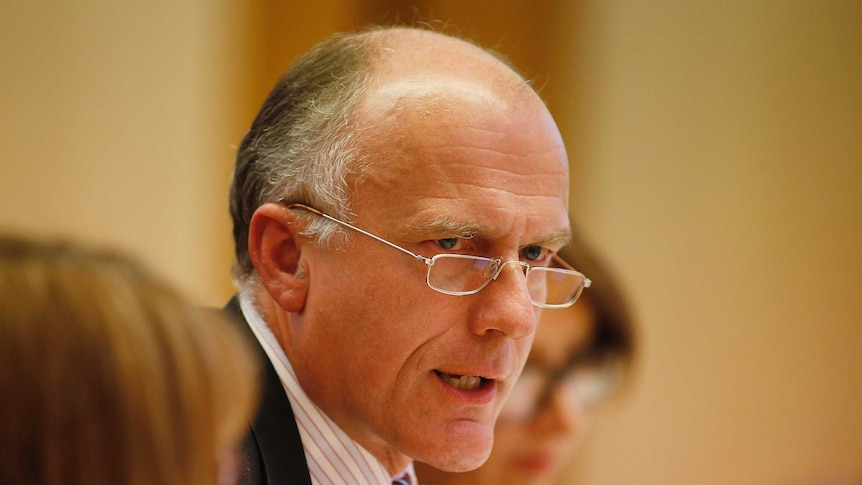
pixel 578 358
pixel 108 376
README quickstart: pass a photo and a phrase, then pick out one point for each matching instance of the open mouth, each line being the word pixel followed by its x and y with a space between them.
pixel 464 383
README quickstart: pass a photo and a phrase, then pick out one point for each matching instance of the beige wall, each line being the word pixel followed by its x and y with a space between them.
pixel 717 161
pixel 721 145
pixel 118 123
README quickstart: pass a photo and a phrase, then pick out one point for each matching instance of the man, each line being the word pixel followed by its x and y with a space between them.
pixel 376 158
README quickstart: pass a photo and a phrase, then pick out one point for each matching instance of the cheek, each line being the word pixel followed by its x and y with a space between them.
pixel 375 323
pixel 355 354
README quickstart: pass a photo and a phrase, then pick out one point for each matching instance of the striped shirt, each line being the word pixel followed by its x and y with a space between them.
pixel 333 457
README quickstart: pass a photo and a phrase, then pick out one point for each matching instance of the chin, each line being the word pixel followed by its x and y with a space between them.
pixel 458 459
pixel 463 465
pixel 460 455
pixel 459 466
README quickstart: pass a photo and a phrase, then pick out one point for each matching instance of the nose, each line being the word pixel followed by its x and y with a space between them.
pixel 504 305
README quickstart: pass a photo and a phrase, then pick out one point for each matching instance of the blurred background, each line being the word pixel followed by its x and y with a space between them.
pixel 716 154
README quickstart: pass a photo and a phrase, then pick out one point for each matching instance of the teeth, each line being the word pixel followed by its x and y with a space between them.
pixel 466 383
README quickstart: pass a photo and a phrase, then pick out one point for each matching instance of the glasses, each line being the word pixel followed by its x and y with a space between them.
pixel 463 274
pixel 579 387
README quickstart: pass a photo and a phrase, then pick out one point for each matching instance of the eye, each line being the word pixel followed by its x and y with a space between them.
pixel 448 243
pixel 532 253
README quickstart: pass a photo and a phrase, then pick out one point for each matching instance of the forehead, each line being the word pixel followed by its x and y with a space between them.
pixel 449 148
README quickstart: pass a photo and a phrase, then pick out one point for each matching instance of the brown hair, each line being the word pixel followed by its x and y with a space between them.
pixel 108 376
pixel 615 328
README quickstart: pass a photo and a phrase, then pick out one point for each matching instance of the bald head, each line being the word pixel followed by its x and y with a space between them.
pixel 406 51
pixel 303 144
pixel 430 71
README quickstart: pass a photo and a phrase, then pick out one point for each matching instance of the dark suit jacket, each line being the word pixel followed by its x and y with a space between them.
pixel 272 450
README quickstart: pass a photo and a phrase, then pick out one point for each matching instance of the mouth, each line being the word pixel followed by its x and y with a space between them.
pixel 464 383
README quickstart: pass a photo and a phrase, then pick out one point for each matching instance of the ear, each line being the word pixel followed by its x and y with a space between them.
pixel 275 252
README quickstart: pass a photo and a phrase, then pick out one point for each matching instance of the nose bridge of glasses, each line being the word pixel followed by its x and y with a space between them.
pixel 496 267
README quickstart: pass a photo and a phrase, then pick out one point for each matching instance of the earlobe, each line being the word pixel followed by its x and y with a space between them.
pixel 275 253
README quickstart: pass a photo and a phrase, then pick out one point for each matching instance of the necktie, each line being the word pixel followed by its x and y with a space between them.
pixel 402 480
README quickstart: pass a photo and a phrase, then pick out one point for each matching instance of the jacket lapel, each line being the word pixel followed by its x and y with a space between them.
pixel 273 449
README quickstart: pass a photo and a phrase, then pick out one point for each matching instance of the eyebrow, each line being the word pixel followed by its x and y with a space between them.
pixel 469 230
pixel 448 226
pixel 561 237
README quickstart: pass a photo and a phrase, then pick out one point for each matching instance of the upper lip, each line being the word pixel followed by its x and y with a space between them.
pixel 488 374
pixel 496 365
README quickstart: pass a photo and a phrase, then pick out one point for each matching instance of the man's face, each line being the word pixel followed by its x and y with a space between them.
pixel 450 169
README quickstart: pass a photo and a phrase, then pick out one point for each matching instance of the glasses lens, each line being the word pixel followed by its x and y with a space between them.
pixel 587 388
pixel 581 389
pixel 553 286
pixel 459 273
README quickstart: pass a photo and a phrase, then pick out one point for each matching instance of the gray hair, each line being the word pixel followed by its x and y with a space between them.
pixel 300 147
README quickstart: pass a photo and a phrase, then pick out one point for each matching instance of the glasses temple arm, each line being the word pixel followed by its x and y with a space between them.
pixel 565 265
pixel 361 231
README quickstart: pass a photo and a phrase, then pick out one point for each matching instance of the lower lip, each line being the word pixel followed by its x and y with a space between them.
pixel 482 396
pixel 538 463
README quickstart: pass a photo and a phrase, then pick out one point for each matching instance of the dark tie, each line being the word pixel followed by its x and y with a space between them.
pixel 402 480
